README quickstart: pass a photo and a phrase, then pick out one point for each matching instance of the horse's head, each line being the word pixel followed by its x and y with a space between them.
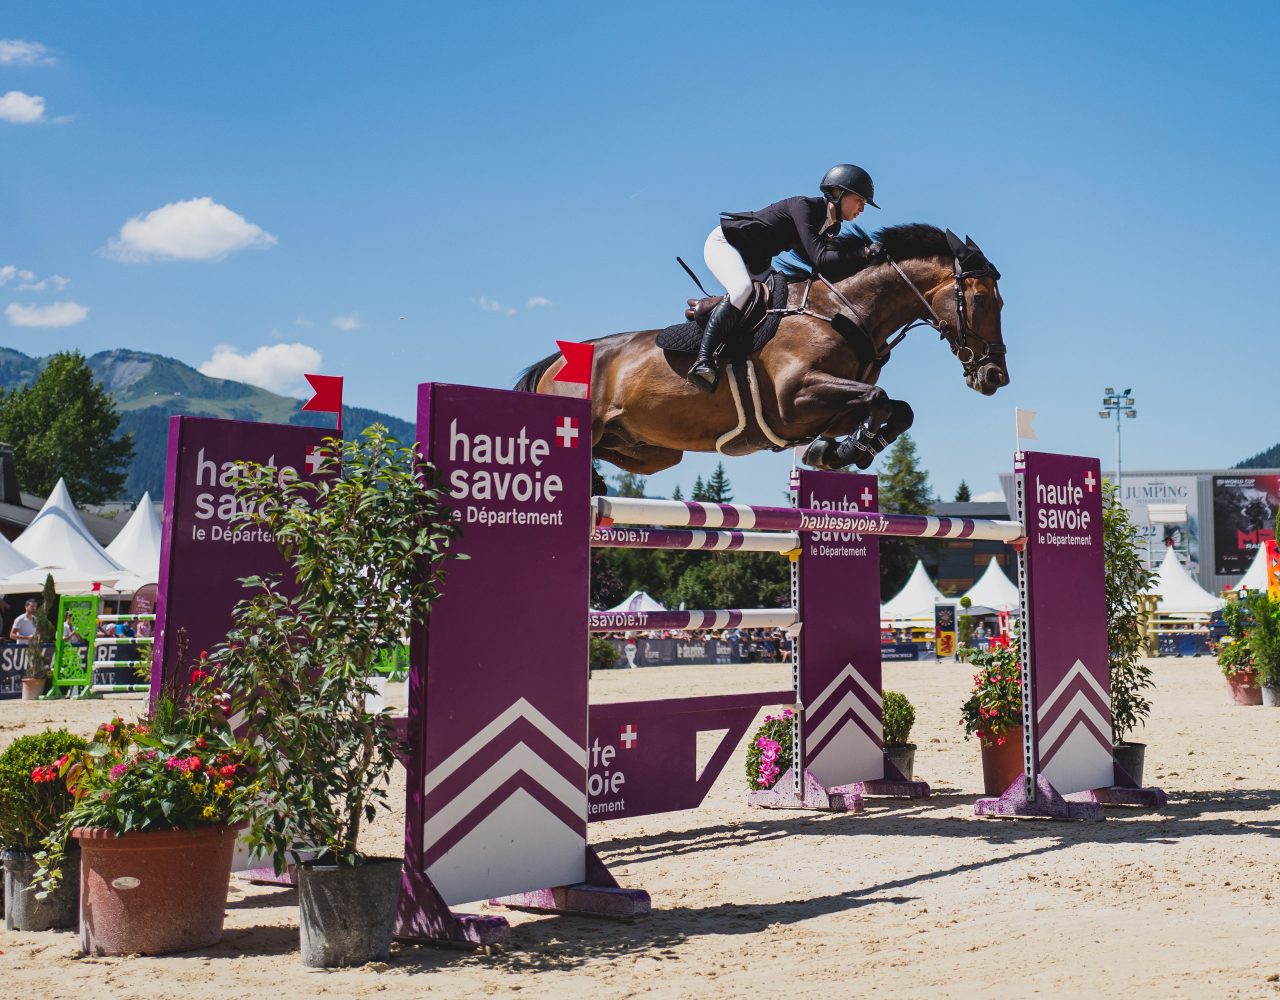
pixel 968 309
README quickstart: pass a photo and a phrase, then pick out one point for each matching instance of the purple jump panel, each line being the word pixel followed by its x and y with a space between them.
pixel 203 551
pixel 498 716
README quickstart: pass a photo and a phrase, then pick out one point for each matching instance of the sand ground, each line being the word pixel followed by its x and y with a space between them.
pixel 909 899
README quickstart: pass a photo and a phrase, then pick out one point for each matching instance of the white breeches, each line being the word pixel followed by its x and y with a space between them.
pixel 726 264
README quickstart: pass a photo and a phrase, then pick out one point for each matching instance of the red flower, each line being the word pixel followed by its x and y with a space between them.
pixel 227 772
pixel 1000 741
pixel 200 742
pixel 198 675
pixel 193 763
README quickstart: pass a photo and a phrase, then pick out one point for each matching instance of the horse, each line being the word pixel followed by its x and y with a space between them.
pixel 815 380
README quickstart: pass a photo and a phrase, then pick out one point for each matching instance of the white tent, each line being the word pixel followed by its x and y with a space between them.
pixel 58 543
pixel 639 601
pixel 993 590
pixel 137 547
pixel 915 600
pixel 11 560
pixel 1256 578
pixel 1179 594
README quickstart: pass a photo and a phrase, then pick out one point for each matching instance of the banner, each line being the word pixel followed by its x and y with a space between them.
pixel 668 652
pixel 13 665
pixel 944 629
pixel 1151 501
pixel 1244 517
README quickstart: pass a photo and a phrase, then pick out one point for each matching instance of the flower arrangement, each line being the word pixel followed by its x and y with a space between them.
pixel 181 767
pixel 1234 656
pixel 995 704
pixel 32 801
pixel 770 752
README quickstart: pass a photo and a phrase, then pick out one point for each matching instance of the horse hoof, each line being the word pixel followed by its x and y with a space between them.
pixel 815 455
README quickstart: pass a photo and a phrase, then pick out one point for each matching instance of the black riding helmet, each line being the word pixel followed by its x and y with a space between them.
pixel 847 177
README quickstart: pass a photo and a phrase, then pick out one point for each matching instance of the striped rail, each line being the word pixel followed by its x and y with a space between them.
pixel 686 514
pixel 691 621
pixel 694 538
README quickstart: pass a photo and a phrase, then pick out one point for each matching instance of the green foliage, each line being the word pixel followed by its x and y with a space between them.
pixel 995 704
pixel 962 493
pixel 367 542
pixel 29 810
pixel 676 494
pixel 40 651
pixel 602 653
pixel 904 489
pixel 899 717
pixel 1234 656
pixel 718 488
pixel 699 492
pixel 769 753
pixel 63 425
pixel 627 484
pixel 734 580
pixel 1127 579
pixel 1263 639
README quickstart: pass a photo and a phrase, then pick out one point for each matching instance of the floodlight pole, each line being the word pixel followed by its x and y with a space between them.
pixel 1120 404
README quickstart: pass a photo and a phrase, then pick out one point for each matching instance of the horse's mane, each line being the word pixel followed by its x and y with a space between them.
pixel 913 239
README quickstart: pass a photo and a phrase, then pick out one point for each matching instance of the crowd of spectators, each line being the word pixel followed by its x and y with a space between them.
pixel 755 645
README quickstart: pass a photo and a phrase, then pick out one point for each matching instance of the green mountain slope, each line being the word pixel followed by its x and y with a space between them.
pixel 1268 459
pixel 149 388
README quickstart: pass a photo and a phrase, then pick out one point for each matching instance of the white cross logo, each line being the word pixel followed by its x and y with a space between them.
pixel 314 457
pixel 1089 481
pixel 629 736
pixel 866 497
pixel 567 432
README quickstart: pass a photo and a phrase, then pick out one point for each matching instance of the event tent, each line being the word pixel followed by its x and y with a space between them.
pixel 993 590
pixel 11 560
pixel 57 543
pixel 915 600
pixel 1179 593
pixel 639 601
pixel 137 547
pixel 1256 578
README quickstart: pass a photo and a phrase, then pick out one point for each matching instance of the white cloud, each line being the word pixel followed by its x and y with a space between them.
pixel 302 321
pixel 16 52
pixel 536 302
pixel 498 307
pixel 198 229
pixel 55 281
pixel 349 322
pixel 9 272
pixel 278 368
pixel 54 314
pixel 20 108
pixel 991 496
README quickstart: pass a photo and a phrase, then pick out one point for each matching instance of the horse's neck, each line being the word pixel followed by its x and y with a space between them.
pixel 885 301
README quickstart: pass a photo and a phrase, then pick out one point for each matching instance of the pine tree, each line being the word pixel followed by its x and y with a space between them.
pixel 699 492
pixel 904 489
pixel 962 493
pixel 628 484
pixel 63 426
pixel 719 489
pixel 676 494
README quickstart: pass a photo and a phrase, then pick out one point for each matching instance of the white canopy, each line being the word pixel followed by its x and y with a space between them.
pixel 11 560
pixel 1179 594
pixel 993 590
pixel 639 601
pixel 1256 578
pixel 58 543
pixel 915 600
pixel 137 547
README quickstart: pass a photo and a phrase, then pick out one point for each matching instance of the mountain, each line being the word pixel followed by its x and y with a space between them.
pixel 1268 459
pixel 149 388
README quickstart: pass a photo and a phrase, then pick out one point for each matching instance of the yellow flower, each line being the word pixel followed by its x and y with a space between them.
pixel 220 788
pixel 209 812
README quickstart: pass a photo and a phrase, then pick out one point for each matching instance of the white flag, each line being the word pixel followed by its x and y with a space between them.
pixel 1025 418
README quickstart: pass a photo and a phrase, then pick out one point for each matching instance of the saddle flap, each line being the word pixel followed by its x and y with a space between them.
pixel 756 330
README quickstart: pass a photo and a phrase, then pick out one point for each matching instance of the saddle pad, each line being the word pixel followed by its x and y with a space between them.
pixel 683 338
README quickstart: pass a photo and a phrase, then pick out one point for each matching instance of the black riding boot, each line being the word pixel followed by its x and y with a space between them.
pixel 702 373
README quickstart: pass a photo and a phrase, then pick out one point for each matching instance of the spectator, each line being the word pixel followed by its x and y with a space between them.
pixel 24 626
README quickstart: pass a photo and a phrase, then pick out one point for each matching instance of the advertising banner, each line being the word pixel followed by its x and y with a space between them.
pixel 944 629
pixel 643 652
pixel 1244 517
pixel 1154 503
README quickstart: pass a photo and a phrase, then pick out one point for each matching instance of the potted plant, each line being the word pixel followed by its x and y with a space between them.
pixel 1234 657
pixel 769 752
pixel 899 752
pixel 964 629
pixel 1263 642
pixel 1127 580
pixel 32 801
pixel 993 714
pixel 157 803
pixel 366 542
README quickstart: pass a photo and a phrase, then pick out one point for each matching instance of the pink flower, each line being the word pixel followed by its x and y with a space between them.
pixel 118 771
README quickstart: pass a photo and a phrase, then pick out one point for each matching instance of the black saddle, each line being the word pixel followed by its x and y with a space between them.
pixel 757 328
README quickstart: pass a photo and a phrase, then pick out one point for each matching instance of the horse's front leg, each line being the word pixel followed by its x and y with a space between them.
pixel 833 407
pixel 862 446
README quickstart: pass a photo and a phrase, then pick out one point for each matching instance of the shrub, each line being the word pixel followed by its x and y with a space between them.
pixel 899 717
pixel 602 653
pixel 1234 656
pixel 30 808
pixel 995 704
pixel 1263 640
pixel 770 752
pixel 1127 579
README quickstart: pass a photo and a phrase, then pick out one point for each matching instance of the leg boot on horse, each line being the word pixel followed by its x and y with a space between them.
pixel 703 373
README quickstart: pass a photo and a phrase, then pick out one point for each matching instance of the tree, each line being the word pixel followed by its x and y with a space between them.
pixel 1127 580
pixel 699 492
pixel 904 489
pixel 676 494
pixel 734 580
pixel 63 425
pixel 962 493
pixel 628 484
pixel 718 488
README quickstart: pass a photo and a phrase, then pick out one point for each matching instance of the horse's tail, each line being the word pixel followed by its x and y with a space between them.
pixel 529 378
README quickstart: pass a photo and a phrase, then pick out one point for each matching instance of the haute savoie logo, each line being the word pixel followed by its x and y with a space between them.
pixel 1062 517
pixel 500 478
pixel 219 514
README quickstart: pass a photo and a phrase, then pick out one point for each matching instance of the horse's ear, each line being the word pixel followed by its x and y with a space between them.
pixel 953 241
pixel 971 245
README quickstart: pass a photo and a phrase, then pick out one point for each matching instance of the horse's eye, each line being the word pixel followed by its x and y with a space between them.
pixel 981 298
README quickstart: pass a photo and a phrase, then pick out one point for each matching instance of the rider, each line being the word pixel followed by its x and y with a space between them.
pixel 744 243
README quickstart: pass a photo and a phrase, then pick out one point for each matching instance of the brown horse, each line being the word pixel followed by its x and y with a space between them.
pixel 815 380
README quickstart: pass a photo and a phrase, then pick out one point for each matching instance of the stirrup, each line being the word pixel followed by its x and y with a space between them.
pixel 705 380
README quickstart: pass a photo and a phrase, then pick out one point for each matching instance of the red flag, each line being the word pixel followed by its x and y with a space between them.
pixel 328 395
pixel 577 364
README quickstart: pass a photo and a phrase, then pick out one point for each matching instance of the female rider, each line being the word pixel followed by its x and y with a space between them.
pixel 745 242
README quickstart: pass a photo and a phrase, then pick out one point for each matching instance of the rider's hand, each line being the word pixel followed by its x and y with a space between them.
pixel 875 254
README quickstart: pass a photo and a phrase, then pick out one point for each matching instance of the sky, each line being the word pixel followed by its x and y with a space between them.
pixel 404 192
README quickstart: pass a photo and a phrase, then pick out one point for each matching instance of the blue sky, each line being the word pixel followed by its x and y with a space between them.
pixel 267 189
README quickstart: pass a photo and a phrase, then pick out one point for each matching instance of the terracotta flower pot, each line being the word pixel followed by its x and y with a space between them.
pixel 1001 764
pixel 1244 688
pixel 155 892
pixel 33 688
